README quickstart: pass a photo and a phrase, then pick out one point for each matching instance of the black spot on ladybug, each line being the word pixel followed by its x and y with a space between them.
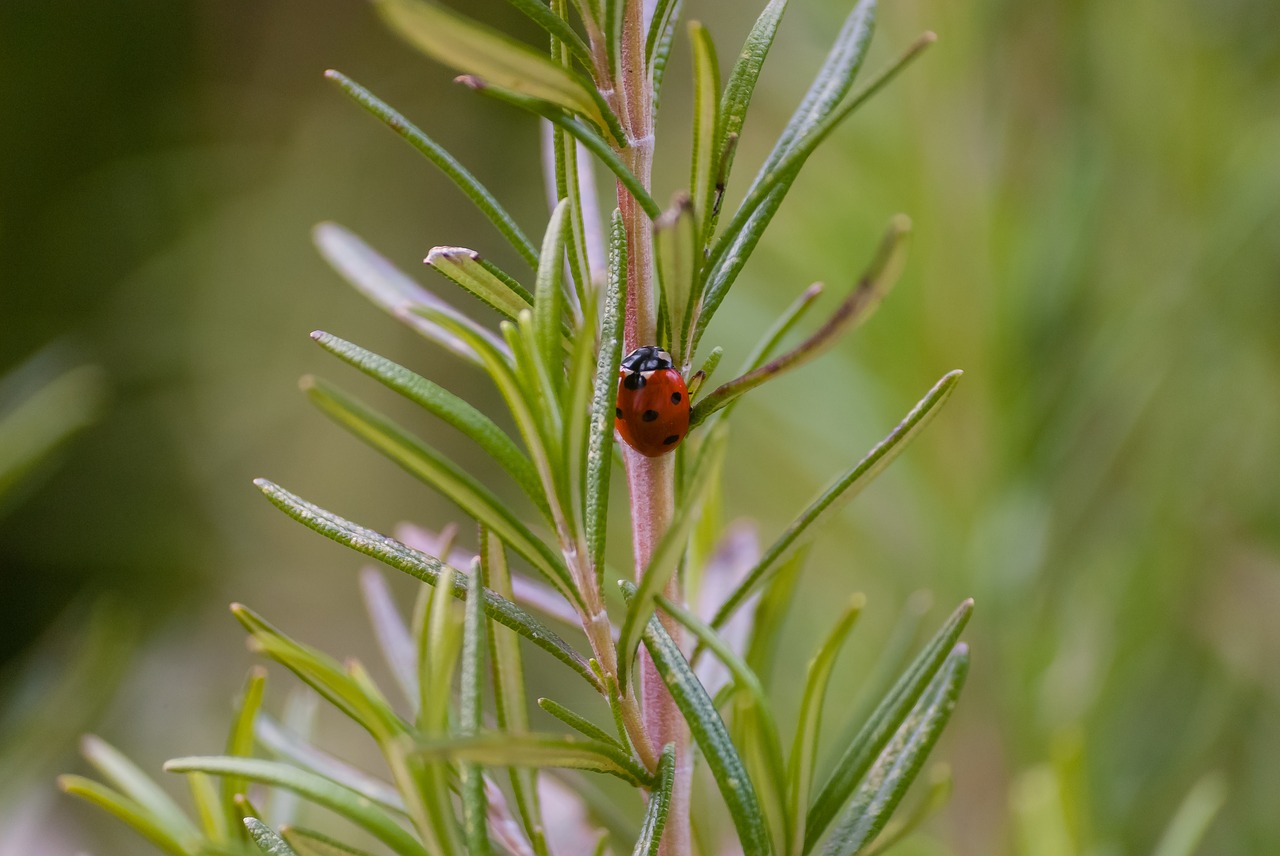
pixel 635 380
pixel 649 415
pixel 617 412
pixel 675 398
pixel 671 440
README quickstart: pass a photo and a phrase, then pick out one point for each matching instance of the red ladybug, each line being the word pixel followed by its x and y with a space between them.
pixel 652 415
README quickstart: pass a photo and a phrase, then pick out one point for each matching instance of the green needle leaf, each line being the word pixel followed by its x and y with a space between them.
pixel 706 109
pixel 323 674
pixel 901 760
pixel 752 718
pixel 655 815
pixel 666 555
pixel 888 718
pixel 507 669
pixel 549 301
pixel 662 33
pixel 582 133
pixel 541 750
pixel 268 842
pixel 709 733
pixel 139 789
pixel 471 703
pixel 398 294
pixel 870 289
pixel 675 236
pixel 604 400
pixel 737 98
pixel 434 469
pixel 555 26
pixel 317 789
pixel 482 278
pixel 804 750
pixel 445 405
pixel 839 493
pixel 456 172
pixel 577 722
pixel 474 49
pixel 240 740
pixel 137 817
pixel 426 568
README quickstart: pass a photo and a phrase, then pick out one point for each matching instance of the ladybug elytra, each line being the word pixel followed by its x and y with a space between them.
pixel 652 414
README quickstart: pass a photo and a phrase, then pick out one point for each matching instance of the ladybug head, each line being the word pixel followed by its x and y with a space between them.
pixel 649 358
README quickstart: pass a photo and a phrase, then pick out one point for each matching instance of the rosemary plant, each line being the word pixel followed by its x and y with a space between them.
pixel 462 763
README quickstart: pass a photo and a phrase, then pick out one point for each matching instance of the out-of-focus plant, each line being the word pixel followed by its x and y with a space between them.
pixel 42 404
pixel 463 764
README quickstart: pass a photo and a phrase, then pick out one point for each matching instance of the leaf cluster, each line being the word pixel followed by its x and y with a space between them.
pixel 462 765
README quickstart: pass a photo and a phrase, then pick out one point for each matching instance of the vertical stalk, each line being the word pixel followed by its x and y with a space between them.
pixel 651 481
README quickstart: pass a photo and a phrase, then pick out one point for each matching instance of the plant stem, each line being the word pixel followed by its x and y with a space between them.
pixel 651 481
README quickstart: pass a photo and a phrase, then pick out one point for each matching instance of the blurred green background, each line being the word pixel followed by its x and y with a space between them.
pixel 1096 193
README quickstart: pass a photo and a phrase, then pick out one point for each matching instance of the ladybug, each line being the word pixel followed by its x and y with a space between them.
pixel 652 415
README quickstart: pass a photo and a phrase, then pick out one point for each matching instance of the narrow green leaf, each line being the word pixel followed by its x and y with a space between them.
pixel 481 278
pixel 322 673
pixel 308 842
pixel 540 750
pixel 240 739
pixel 840 492
pixel 862 301
pixel 604 399
pixel 140 789
pixel 209 808
pixel 737 99
pixel 268 842
pixel 570 190
pixel 666 555
pixel 887 718
pixel 613 12
pixel 557 27
pixel 507 670
pixel 577 722
pixel 317 789
pixel 710 734
pixel 584 134
pixel 804 749
pixel 548 300
pixel 541 394
pixel 740 237
pixel 396 293
pixel 753 720
pixel 661 36
pixel 143 821
pixel 426 568
pixel 288 745
pixel 576 406
pixel 655 815
pixel 706 118
pixel 437 471
pixel 426 785
pixel 937 787
pixel 675 236
pixel 475 49
pixel 901 760
pixel 471 705
pixel 456 172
